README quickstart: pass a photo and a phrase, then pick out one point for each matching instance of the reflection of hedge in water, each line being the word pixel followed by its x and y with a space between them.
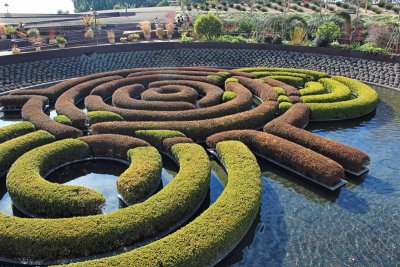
pixel 167 109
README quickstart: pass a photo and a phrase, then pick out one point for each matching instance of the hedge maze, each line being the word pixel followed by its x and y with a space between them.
pixel 141 115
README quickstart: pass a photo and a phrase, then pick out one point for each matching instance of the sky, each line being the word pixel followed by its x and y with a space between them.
pixel 36 6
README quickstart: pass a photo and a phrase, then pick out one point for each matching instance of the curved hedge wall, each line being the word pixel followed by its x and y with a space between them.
pixel 217 230
pixel 12 131
pixel 31 193
pixel 143 175
pixel 48 239
pixel 336 92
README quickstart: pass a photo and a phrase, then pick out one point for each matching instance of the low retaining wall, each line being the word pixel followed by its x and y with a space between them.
pixel 28 69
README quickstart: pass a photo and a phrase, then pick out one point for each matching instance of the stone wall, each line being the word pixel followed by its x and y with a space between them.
pixel 33 72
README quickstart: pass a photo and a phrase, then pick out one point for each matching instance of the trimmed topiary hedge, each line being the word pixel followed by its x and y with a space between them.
pixel 124 97
pixel 264 91
pixel 168 143
pixel 112 145
pixel 316 74
pixel 293 81
pixel 298 116
pixel 14 130
pixel 156 137
pixel 171 93
pixel 365 102
pixel 63 120
pixel 31 193
pixel 279 90
pixel 32 111
pixel 11 150
pixel 14 101
pixel 336 92
pixel 312 88
pixel 211 93
pixel 216 231
pixel 290 90
pixel 143 175
pixel 304 77
pixel 65 104
pixel 228 96
pixel 103 116
pixel 292 155
pixel 44 239
pixel 242 102
pixel 197 130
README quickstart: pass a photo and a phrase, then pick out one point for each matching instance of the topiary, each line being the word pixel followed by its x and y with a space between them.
pixel 208 26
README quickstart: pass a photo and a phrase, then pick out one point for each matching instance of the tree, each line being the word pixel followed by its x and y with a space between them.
pixel 208 26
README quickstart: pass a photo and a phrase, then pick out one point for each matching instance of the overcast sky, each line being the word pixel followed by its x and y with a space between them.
pixel 36 6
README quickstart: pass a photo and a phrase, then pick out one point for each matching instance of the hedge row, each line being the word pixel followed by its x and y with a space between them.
pixel 298 116
pixel 290 90
pixel 350 158
pixel 171 93
pixel 53 92
pixel 103 116
pixel 228 96
pixel 279 90
pixel 292 155
pixel 63 120
pixel 174 72
pixel 65 104
pixel 283 107
pixel 168 143
pixel 197 130
pixel 290 80
pixel 242 102
pixel 112 145
pixel 156 137
pixel 31 193
pixel 336 92
pixel 49 239
pixel 14 101
pixel 32 111
pixel 264 91
pixel 124 97
pixel 211 93
pixel 216 71
pixel 203 241
pixel 143 175
pixel 11 150
pixel 295 99
pixel 366 102
pixel 312 88
pixel 14 130
pixel 304 77
pixel 316 74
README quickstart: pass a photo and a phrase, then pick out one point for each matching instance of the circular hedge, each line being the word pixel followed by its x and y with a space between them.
pixel 138 115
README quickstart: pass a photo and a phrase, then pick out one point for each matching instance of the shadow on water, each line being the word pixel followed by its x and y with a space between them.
pixel 267 234
pixel 352 202
pixel 297 183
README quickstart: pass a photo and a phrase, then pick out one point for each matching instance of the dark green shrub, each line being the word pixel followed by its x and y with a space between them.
pixel 208 26
pixel 294 81
pixel 381 3
pixel 12 131
pixel 329 30
pixel 225 9
pixel 143 175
